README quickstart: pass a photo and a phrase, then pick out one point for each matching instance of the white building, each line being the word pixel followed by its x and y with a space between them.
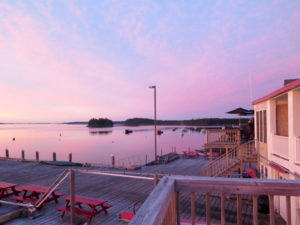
pixel 277 134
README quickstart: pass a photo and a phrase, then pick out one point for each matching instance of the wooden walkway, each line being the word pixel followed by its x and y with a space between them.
pixel 120 192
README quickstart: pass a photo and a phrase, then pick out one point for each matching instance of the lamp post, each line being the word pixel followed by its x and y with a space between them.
pixel 155 141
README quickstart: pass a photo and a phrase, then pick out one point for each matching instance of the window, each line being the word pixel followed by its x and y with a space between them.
pixel 261 126
pixel 265 125
pixel 266 172
pixel 282 126
pixel 257 125
pixel 262 171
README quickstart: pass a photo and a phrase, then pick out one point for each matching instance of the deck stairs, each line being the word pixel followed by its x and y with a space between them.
pixel 231 161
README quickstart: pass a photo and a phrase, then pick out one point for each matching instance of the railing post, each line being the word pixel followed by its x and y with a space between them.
pixel 272 211
pixel 193 207
pixel 207 208
pixel 72 196
pixel 227 158
pixel 223 219
pixel 239 209
pixel 288 210
pixel 178 207
pixel 255 213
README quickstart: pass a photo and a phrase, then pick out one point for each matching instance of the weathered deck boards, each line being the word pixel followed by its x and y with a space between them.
pixel 120 192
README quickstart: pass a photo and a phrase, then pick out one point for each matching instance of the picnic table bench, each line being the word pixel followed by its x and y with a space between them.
pixel 7 189
pixel 89 212
pixel 32 193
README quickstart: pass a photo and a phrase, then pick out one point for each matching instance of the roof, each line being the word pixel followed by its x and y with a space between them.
pixel 278 92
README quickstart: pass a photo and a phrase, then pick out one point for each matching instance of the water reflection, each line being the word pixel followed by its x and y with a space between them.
pixel 93 145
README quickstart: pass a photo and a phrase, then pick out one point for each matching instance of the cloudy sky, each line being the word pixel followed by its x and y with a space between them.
pixel 73 60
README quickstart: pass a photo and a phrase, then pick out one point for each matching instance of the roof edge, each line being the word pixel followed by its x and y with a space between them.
pixel 279 91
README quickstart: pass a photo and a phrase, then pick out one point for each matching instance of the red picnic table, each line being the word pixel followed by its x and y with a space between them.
pixel 7 189
pixel 32 193
pixel 92 203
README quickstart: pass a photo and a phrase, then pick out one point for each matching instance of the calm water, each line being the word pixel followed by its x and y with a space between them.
pixel 93 145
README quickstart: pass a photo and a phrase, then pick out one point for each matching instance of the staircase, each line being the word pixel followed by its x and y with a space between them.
pixel 231 161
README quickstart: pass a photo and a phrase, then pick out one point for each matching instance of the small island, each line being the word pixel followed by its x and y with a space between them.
pixel 101 122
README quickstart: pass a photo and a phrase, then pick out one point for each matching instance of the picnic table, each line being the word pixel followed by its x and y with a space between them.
pixel 7 189
pixel 95 206
pixel 32 193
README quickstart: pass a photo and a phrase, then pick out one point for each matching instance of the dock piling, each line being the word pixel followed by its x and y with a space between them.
pixel 112 161
pixel 6 153
pixel 70 157
pixel 23 154
pixel 37 157
pixel 54 156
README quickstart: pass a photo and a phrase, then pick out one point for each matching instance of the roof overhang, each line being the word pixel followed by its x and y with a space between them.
pixel 280 91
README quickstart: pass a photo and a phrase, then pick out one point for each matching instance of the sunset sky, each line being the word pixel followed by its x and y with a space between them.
pixel 73 60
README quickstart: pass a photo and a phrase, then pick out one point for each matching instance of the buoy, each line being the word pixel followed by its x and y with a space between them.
pixel 14 139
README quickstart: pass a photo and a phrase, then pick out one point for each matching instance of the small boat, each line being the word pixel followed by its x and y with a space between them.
pixel 159 132
pixel 127 131
pixel 61 163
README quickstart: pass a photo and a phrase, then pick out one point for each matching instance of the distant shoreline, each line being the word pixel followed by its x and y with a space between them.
pixel 150 122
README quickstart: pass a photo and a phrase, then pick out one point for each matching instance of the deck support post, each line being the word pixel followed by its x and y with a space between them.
pixel 72 196
pixel 70 157
pixel 54 156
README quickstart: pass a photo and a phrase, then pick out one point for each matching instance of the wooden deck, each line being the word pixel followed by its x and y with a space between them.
pixel 118 191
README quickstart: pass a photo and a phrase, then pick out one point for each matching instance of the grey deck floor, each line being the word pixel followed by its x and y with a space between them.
pixel 120 192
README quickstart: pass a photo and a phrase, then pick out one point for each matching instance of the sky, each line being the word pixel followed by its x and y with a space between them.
pixel 75 60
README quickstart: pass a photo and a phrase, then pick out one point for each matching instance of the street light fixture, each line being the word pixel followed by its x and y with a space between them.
pixel 155 141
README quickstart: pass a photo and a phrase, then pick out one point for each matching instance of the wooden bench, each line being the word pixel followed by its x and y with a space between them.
pixel 22 199
pixel 78 211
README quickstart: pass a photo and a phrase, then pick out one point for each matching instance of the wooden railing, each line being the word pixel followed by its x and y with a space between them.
pixel 231 136
pixel 230 159
pixel 162 207
pixel 220 165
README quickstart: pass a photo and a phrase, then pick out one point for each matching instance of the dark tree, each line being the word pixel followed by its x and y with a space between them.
pixel 101 122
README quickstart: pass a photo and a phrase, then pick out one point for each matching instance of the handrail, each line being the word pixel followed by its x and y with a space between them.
pixel 158 209
pixel 234 156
